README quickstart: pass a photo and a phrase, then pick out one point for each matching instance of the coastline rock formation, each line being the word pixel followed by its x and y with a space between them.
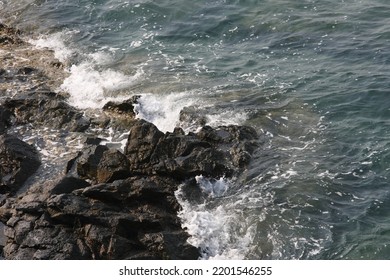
pixel 107 204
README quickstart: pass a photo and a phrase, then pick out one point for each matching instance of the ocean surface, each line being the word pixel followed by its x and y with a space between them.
pixel 311 76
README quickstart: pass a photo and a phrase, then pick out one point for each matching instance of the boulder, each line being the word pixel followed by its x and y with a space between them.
pixel 142 141
pixel 112 166
pixel 18 161
pixel 125 107
pixel 87 163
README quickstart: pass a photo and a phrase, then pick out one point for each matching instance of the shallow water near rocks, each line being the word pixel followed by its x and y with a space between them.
pixel 309 76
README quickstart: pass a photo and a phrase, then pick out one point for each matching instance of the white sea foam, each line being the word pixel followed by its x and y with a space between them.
pixel 164 110
pixel 91 88
pixel 213 188
pixel 214 229
pixel 55 42
pixel 227 117
pixel 89 85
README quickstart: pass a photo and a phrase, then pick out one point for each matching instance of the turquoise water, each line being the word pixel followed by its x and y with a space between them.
pixel 310 76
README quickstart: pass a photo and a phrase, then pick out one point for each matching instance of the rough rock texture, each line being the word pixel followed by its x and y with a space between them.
pixel 18 161
pixel 124 108
pixel 108 204
pixel 46 109
pixel 128 209
pixel 210 152
pixel 133 218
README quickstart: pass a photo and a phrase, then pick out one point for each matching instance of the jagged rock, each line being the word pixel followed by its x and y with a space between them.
pixel 109 205
pixel 113 166
pixel 87 163
pixel 18 161
pixel 240 141
pixel 142 141
pixel 120 114
pixel 125 107
pixel 210 152
pixel 127 219
pixel 48 112
pixel 68 184
pixel 100 164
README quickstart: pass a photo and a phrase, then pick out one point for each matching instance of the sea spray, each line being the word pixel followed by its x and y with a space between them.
pixel 89 84
pixel 91 88
pixel 212 228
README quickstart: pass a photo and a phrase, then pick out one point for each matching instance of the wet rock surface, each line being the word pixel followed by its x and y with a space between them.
pixel 106 204
pixel 47 111
pixel 210 152
pixel 18 161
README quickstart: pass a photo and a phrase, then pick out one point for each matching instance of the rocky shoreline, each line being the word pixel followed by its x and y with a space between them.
pixel 105 203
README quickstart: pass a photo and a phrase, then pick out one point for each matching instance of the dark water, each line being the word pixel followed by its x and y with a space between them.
pixel 310 76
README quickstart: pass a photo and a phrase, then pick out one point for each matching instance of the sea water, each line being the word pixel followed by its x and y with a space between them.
pixel 310 76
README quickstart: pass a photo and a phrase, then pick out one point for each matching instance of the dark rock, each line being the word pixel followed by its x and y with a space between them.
pixel 130 210
pixel 109 205
pixel 93 141
pixel 124 107
pixel 120 114
pixel 100 165
pixel 134 218
pixel 210 152
pixel 68 185
pixel 26 70
pixel 142 141
pixel 49 112
pixel 57 64
pixel 113 166
pixel 87 163
pixel 5 116
pixel 18 161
